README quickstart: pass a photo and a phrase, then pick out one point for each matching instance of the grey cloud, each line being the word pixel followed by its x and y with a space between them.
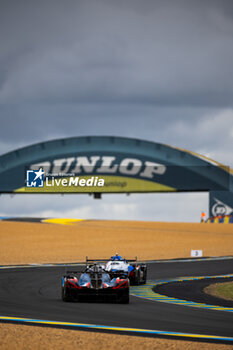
pixel 98 52
pixel 207 131
pixel 157 70
pixel 37 122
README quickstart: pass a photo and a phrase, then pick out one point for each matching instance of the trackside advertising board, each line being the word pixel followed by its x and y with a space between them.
pixel 221 203
pixel 108 165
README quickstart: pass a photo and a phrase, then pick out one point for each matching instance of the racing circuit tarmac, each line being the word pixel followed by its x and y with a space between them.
pixel 34 292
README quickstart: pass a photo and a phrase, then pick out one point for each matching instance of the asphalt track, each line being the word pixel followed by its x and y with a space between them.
pixel 34 293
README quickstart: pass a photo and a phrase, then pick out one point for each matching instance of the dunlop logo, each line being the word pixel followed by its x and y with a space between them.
pixel 102 165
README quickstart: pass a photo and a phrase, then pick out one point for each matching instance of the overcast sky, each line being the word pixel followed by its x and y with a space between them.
pixel 155 70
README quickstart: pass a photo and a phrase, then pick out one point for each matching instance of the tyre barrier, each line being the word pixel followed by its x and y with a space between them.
pixel 220 219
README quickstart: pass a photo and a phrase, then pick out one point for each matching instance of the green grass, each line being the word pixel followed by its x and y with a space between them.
pixel 225 290
pixel 221 290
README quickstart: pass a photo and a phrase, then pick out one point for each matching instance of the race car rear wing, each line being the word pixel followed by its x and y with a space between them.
pixel 106 260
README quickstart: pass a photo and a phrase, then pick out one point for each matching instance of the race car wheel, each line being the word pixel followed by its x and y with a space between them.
pixel 64 295
pixel 125 298
pixel 144 276
pixel 137 278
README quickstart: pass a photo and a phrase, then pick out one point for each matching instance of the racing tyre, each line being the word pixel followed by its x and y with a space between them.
pixel 137 278
pixel 124 299
pixel 64 295
pixel 144 276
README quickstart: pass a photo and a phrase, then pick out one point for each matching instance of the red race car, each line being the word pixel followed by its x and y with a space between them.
pixel 94 283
